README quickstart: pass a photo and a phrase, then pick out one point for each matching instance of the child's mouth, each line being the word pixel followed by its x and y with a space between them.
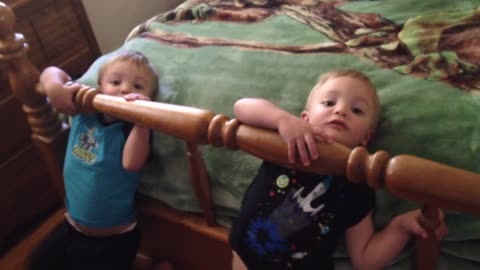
pixel 338 124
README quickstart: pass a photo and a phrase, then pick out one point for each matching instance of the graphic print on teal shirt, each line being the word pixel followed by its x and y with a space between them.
pixel 87 143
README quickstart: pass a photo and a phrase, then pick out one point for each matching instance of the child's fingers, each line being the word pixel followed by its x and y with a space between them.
pixel 441 215
pixel 302 150
pixel 419 231
pixel 441 231
pixel 130 97
pixel 415 228
pixel 72 87
pixel 63 105
pixel 312 146
pixel 291 152
pixel 135 96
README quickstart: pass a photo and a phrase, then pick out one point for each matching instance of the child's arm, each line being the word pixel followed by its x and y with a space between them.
pixel 54 82
pixel 297 133
pixel 137 146
pixel 374 250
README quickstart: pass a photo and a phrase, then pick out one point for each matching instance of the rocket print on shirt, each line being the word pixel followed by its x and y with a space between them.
pixel 290 209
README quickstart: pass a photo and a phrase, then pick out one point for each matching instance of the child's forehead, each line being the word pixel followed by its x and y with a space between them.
pixel 345 84
pixel 124 63
pixel 128 66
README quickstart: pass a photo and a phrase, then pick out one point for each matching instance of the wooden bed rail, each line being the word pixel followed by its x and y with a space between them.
pixel 408 177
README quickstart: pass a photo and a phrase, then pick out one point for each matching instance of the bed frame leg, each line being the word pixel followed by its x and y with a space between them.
pixel 200 182
pixel 427 250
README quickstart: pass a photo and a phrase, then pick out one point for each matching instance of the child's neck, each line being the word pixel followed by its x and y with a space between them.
pixel 107 119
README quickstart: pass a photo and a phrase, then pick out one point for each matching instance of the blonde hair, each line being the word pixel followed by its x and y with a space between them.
pixel 136 58
pixel 323 78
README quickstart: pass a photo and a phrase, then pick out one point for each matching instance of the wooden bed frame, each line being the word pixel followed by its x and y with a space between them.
pixel 195 241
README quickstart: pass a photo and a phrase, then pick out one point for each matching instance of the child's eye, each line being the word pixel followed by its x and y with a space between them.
pixel 138 86
pixel 115 82
pixel 328 103
pixel 358 111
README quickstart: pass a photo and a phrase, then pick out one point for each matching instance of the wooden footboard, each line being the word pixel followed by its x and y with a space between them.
pixel 194 241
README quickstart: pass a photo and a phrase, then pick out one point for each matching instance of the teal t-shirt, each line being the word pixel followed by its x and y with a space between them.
pixel 99 192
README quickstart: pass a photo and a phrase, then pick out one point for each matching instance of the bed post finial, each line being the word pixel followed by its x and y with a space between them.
pixel 23 77
pixel 7 20
pixel 48 133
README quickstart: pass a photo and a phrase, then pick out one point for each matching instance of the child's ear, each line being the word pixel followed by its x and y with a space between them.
pixel 370 135
pixel 305 116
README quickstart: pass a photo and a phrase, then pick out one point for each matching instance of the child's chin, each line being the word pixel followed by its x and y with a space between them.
pixel 342 140
pixel 109 118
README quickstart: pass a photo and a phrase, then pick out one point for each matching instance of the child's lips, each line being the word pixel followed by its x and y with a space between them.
pixel 339 124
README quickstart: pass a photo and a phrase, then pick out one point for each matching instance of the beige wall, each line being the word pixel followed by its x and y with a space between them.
pixel 112 20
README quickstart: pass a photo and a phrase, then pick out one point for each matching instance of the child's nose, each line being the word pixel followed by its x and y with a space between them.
pixel 341 109
pixel 125 90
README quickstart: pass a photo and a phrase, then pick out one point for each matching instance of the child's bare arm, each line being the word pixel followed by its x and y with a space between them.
pixel 54 82
pixel 374 250
pixel 297 133
pixel 137 146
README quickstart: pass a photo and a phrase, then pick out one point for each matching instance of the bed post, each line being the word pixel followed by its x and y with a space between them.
pixel 48 133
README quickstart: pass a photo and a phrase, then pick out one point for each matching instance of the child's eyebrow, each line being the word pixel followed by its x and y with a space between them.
pixel 114 74
pixel 140 79
pixel 328 93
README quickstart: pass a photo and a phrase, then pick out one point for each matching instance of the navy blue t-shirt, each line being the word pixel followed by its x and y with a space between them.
pixel 293 220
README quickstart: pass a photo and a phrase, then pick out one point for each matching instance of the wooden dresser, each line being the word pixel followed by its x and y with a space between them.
pixel 59 33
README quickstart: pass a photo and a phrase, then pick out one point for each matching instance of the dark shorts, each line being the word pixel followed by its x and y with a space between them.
pixel 67 249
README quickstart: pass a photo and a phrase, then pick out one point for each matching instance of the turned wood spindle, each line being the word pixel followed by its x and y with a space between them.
pixel 427 250
pixel 200 182
pixel 84 99
pixel 23 76
pixel 49 135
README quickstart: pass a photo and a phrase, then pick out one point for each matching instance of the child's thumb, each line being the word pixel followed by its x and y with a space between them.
pixel 419 231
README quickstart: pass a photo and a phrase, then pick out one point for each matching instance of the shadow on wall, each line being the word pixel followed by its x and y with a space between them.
pixel 112 20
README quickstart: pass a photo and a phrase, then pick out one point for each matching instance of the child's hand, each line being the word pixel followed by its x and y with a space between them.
pixel 61 96
pixel 300 135
pixel 410 223
pixel 135 96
